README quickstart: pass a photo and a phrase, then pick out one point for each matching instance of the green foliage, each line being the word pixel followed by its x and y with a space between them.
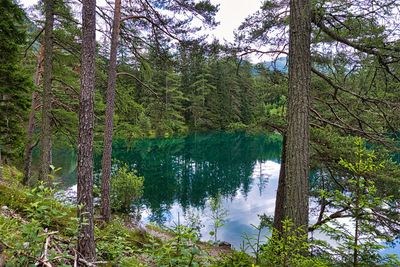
pixel 253 243
pixel 235 259
pixel 22 241
pixel 15 85
pixel 370 213
pixel 38 204
pixel 237 126
pixel 43 208
pixel 115 242
pixel 287 249
pixel 13 197
pixel 126 187
pixel 131 262
pixel 27 218
pixel 194 221
pixel 365 160
pixel 181 250
pixel 218 215
pixel 11 174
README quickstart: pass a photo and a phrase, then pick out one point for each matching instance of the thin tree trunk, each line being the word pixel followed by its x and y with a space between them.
pixel 86 243
pixel 298 132
pixel 279 215
pixel 1 166
pixel 31 122
pixel 356 237
pixel 46 95
pixel 108 131
pixel 357 226
pixel 29 146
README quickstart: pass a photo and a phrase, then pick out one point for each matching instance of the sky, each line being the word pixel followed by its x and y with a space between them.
pixel 231 14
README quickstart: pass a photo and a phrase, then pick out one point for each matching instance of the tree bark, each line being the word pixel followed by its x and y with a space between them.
pixel 279 214
pixel 108 131
pixel 46 95
pixel 298 132
pixel 1 166
pixel 31 122
pixel 86 243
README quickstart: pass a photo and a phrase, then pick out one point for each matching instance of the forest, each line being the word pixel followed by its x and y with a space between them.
pixel 158 113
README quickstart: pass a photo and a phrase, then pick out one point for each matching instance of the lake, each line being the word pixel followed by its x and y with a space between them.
pixel 183 174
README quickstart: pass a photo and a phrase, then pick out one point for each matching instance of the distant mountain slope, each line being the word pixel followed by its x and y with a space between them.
pixel 280 64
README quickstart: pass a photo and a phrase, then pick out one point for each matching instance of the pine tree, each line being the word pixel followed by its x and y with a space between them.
pixel 86 242
pixel 298 129
pixel 45 138
pixel 109 123
pixel 15 87
pixel 199 90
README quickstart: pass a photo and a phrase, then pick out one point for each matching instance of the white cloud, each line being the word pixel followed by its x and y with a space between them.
pixel 231 14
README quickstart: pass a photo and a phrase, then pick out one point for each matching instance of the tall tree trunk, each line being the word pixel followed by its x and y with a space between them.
pixel 31 122
pixel 298 132
pixel 86 243
pixel 108 131
pixel 1 166
pixel 279 215
pixel 46 95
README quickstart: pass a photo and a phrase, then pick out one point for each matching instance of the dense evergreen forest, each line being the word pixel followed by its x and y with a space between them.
pixel 80 75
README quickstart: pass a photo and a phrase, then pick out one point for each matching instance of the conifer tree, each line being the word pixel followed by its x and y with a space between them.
pixel 199 91
pixel 109 121
pixel 297 166
pixel 86 242
pixel 15 86
pixel 45 137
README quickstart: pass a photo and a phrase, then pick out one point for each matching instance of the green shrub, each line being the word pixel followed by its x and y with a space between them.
pixel 113 244
pixel 288 249
pixel 13 197
pixel 235 259
pixel 130 262
pixel 126 187
pixel 44 208
pixel 21 242
pixel 11 174
pixel 181 250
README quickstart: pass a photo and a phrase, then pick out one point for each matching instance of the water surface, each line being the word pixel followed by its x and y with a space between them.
pixel 183 174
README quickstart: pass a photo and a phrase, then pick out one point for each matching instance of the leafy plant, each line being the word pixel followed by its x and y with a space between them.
pixel 181 250
pixel 287 248
pixel 43 207
pixel 193 221
pixel 113 243
pixel 253 243
pixel 126 187
pixel 218 215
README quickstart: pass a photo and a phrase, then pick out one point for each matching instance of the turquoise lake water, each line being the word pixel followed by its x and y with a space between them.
pixel 183 174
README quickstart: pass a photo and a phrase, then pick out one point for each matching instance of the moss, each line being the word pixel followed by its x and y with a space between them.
pixel 131 262
pixel 13 197
pixel 159 229
pixel 116 242
pixel 12 175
